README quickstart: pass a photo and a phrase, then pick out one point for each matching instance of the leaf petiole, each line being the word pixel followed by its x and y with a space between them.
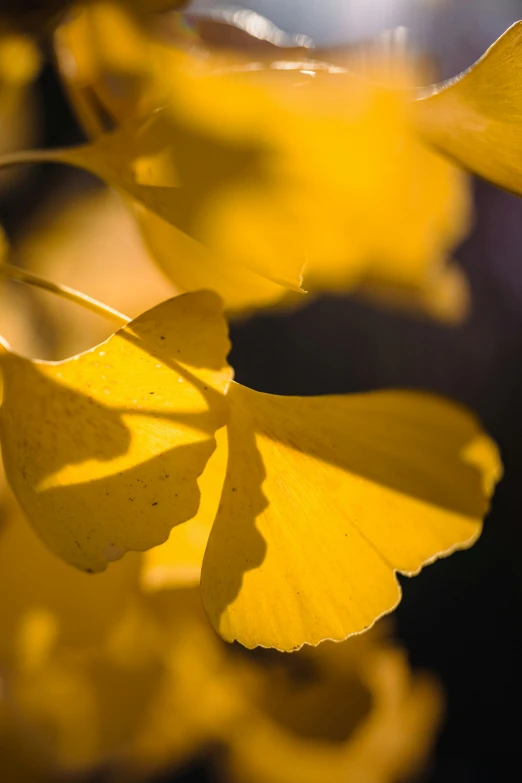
pixel 24 157
pixel 22 276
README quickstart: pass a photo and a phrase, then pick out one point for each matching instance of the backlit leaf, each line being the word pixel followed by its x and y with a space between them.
pixel 103 450
pixel 325 498
pixel 476 117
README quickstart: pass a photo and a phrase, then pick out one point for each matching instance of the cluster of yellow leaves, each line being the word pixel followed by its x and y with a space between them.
pixel 104 451
pixel 287 518
pixel 310 505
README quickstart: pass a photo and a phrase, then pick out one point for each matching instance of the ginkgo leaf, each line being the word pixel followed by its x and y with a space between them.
pixel 183 173
pixel 326 498
pixel 34 584
pixel 103 450
pixel 193 267
pixel 389 742
pixel 476 117
pixel 178 561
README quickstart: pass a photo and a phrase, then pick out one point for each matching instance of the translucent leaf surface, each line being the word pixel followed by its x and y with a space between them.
pixel 103 450
pixel 476 117
pixel 325 498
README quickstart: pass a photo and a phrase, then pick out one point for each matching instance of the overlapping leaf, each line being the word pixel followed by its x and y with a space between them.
pixel 103 450
pixel 178 561
pixel 188 176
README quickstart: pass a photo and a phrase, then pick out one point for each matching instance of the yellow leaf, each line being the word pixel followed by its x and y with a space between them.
pixel 443 295
pixel 103 450
pixel 56 627
pixel 178 561
pixel 91 244
pixel 390 742
pixel 19 118
pixel 476 117
pixel 36 586
pixel 182 173
pixel 16 321
pixel 192 267
pixel 19 59
pixel 326 498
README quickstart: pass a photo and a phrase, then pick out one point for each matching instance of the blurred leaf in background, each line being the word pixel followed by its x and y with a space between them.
pixel 254 146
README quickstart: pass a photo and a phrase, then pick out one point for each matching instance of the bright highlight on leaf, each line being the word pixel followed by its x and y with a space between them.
pixel 476 117
pixel 103 450
pixel 326 498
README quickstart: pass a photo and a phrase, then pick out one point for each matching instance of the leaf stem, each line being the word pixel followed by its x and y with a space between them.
pixel 22 157
pixel 22 276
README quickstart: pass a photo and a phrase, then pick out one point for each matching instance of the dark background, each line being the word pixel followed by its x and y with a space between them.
pixel 462 616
